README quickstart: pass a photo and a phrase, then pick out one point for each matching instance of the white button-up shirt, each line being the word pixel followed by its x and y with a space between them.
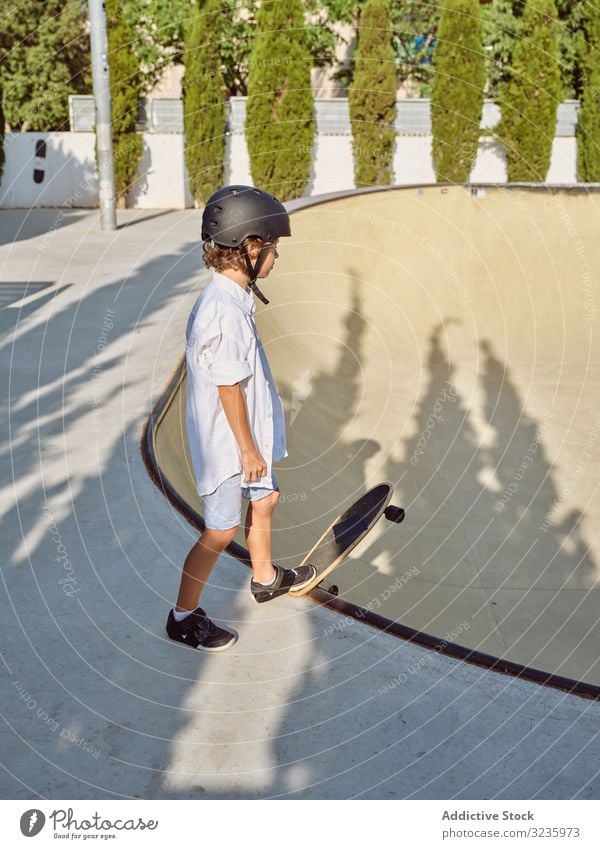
pixel 223 347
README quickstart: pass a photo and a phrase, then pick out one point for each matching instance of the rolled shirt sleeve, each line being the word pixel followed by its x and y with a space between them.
pixel 220 352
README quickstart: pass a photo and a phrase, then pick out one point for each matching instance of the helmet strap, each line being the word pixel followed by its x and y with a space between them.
pixel 253 271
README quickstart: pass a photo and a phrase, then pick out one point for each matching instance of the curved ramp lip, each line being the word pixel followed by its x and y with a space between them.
pixel 346 608
pixel 549 188
pixel 319 596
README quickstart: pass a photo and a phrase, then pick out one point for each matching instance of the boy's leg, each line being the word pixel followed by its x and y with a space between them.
pixel 189 623
pixel 222 513
pixel 269 580
pixel 199 564
pixel 258 529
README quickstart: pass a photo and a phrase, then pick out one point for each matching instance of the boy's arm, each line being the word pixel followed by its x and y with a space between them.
pixel 234 406
pixel 217 346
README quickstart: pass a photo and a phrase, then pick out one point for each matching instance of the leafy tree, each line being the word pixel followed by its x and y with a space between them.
pixel 571 16
pixel 588 127
pixel 161 25
pixel 45 57
pixel 457 98
pixel 502 20
pixel 529 101
pixel 372 97
pixel 280 123
pixel 238 28
pixel 413 25
pixel 125 93
pixel 204 101
pixel 500 31
pixel 415 22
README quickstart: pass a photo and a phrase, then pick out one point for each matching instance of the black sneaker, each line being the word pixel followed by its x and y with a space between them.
pixel 200 632
pixel 285 580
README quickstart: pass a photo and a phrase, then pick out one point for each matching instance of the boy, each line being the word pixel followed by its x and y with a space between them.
pixel 234 417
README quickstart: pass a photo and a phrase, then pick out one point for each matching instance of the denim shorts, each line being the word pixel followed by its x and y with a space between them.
pixel 223 507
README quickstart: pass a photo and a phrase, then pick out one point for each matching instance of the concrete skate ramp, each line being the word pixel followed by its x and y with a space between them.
pixel 443 339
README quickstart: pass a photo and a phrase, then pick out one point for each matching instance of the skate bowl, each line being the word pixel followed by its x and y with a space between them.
pixel 444 339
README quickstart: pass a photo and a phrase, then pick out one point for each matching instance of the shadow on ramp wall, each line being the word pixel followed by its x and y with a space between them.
pixel 441 338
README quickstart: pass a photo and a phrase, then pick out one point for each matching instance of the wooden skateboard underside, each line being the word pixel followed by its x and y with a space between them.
pixel 345 533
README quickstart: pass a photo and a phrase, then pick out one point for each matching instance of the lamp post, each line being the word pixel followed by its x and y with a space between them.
pixel 101 81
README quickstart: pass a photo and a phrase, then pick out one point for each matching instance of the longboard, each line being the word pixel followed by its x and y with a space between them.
pixel 348 530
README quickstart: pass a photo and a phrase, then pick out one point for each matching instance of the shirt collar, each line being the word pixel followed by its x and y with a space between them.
pixel 244 297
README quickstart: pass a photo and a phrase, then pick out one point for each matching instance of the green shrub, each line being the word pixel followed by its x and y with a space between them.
pixel 530 99
pixel 125 95
pixel 372 97
pixel 457 96
pixel 1 135
pixel 204 101
pixel 280 123
pixel 588 126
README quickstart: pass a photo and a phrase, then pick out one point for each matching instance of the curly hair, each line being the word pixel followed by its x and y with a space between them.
pixel 220 258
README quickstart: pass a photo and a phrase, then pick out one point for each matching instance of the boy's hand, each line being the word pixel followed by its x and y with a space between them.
pixel 254 466
pixel 234 405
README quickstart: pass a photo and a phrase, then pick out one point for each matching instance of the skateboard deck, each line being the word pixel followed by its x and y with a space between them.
pixel 348 530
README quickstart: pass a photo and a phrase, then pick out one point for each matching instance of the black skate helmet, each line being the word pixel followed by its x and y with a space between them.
pixel 233 213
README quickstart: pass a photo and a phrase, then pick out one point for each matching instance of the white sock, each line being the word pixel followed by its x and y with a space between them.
pixel 268 584
pixel 178 615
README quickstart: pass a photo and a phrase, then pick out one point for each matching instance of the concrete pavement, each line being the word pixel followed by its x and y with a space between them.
pixel 96 701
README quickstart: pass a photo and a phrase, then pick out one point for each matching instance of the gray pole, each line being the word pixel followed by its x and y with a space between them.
pixel 101 78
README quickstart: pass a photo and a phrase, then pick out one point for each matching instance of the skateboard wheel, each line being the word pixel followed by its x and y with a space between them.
pixel 394 514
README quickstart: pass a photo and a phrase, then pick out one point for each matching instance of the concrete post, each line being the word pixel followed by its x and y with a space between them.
pixel 101 80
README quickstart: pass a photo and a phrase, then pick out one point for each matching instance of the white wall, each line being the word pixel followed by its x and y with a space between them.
pixel 164 181
pixel 333 168
pixel 70 177
pixel 563 166
pixel 69 172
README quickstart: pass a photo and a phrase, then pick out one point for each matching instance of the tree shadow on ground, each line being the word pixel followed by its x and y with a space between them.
pixel 98 702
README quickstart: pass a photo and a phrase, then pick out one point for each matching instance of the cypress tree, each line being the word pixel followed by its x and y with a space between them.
pixel 125 94
pixel 372 97
pixel 204 101
pixel 588 126
pixel 458 84
pixel 280 123
pixel 529 102
pixel 1 134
